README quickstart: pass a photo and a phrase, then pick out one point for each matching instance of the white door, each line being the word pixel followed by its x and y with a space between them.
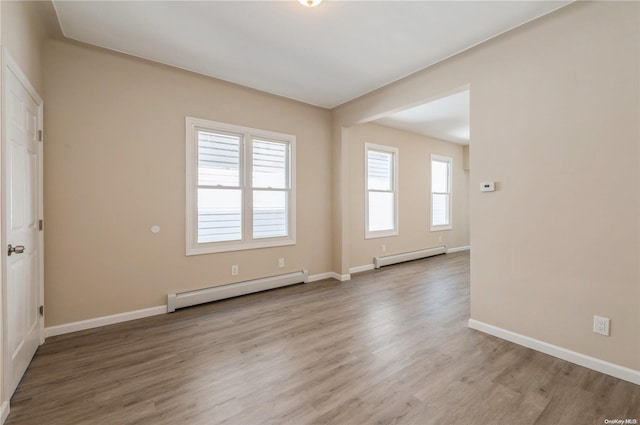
pixel 22 253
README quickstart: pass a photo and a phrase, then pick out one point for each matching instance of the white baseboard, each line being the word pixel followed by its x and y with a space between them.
pixel 458 249
pixel 341 277
pixel 103 321
pixel 367 267
pixel 329 275
pixel 360 269
pixel 4 411
pixel 147 312
pixel 605 367
pixel 321 276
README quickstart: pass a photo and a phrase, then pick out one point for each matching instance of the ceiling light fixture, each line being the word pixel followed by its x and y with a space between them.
pixel 310 3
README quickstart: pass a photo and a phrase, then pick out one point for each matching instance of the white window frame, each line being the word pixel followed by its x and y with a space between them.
pixel 395 152
pixel 448 160
pixel 248 134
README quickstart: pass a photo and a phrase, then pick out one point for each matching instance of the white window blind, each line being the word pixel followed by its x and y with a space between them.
pixel 239 187
pixel 219 190
pixel 270 188
pixel 440 192
pixel 381 201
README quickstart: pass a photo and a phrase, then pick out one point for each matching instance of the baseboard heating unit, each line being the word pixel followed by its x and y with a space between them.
pixel 408 256
pixel 201 296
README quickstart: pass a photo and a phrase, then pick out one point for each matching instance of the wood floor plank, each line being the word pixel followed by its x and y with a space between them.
pixel 391 346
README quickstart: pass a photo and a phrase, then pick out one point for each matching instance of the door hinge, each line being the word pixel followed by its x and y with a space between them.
pixel 40 224
pixel 41 310
pixel 39 135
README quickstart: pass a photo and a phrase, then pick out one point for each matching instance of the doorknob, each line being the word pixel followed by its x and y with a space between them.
pixel 18 249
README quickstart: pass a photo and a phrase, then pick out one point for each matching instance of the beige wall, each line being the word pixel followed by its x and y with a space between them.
pixel 115 166
pixel 554 120
pixel 414 156
pixel 25 26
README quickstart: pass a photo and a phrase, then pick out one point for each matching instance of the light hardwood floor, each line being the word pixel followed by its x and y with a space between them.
pixel 388 347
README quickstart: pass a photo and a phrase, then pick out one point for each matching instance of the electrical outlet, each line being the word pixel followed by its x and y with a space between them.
pixel 384 248
pixel 439 238
pixel 281 262
pixel 234 270
pixel 601 325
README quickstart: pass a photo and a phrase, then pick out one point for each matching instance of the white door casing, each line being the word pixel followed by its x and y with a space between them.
pixel 22 277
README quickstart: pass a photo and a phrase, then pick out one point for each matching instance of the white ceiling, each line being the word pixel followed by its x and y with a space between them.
pixel 446 118
pixel 323 56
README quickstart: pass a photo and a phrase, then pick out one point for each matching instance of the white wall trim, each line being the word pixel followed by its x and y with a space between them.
pixel 4 411
pixel 458 249
pixel 341 277
pixel 320 276
pixel 329 275
pixel 360 269
pixel 603 366
pixel 104 320
pixel 367 267
pixel 12 65
pixel 147 312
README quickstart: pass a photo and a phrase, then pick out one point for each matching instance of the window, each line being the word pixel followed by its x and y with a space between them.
pixel 381 209
pixel 440 192
pixel 240 188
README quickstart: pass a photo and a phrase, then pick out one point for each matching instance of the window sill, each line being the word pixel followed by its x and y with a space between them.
pixel 201 250
pixel 381 234
pixel 441 228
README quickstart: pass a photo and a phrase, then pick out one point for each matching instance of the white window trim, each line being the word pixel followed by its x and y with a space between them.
pixel 396 229
pixel 192 245
pixel 444 226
